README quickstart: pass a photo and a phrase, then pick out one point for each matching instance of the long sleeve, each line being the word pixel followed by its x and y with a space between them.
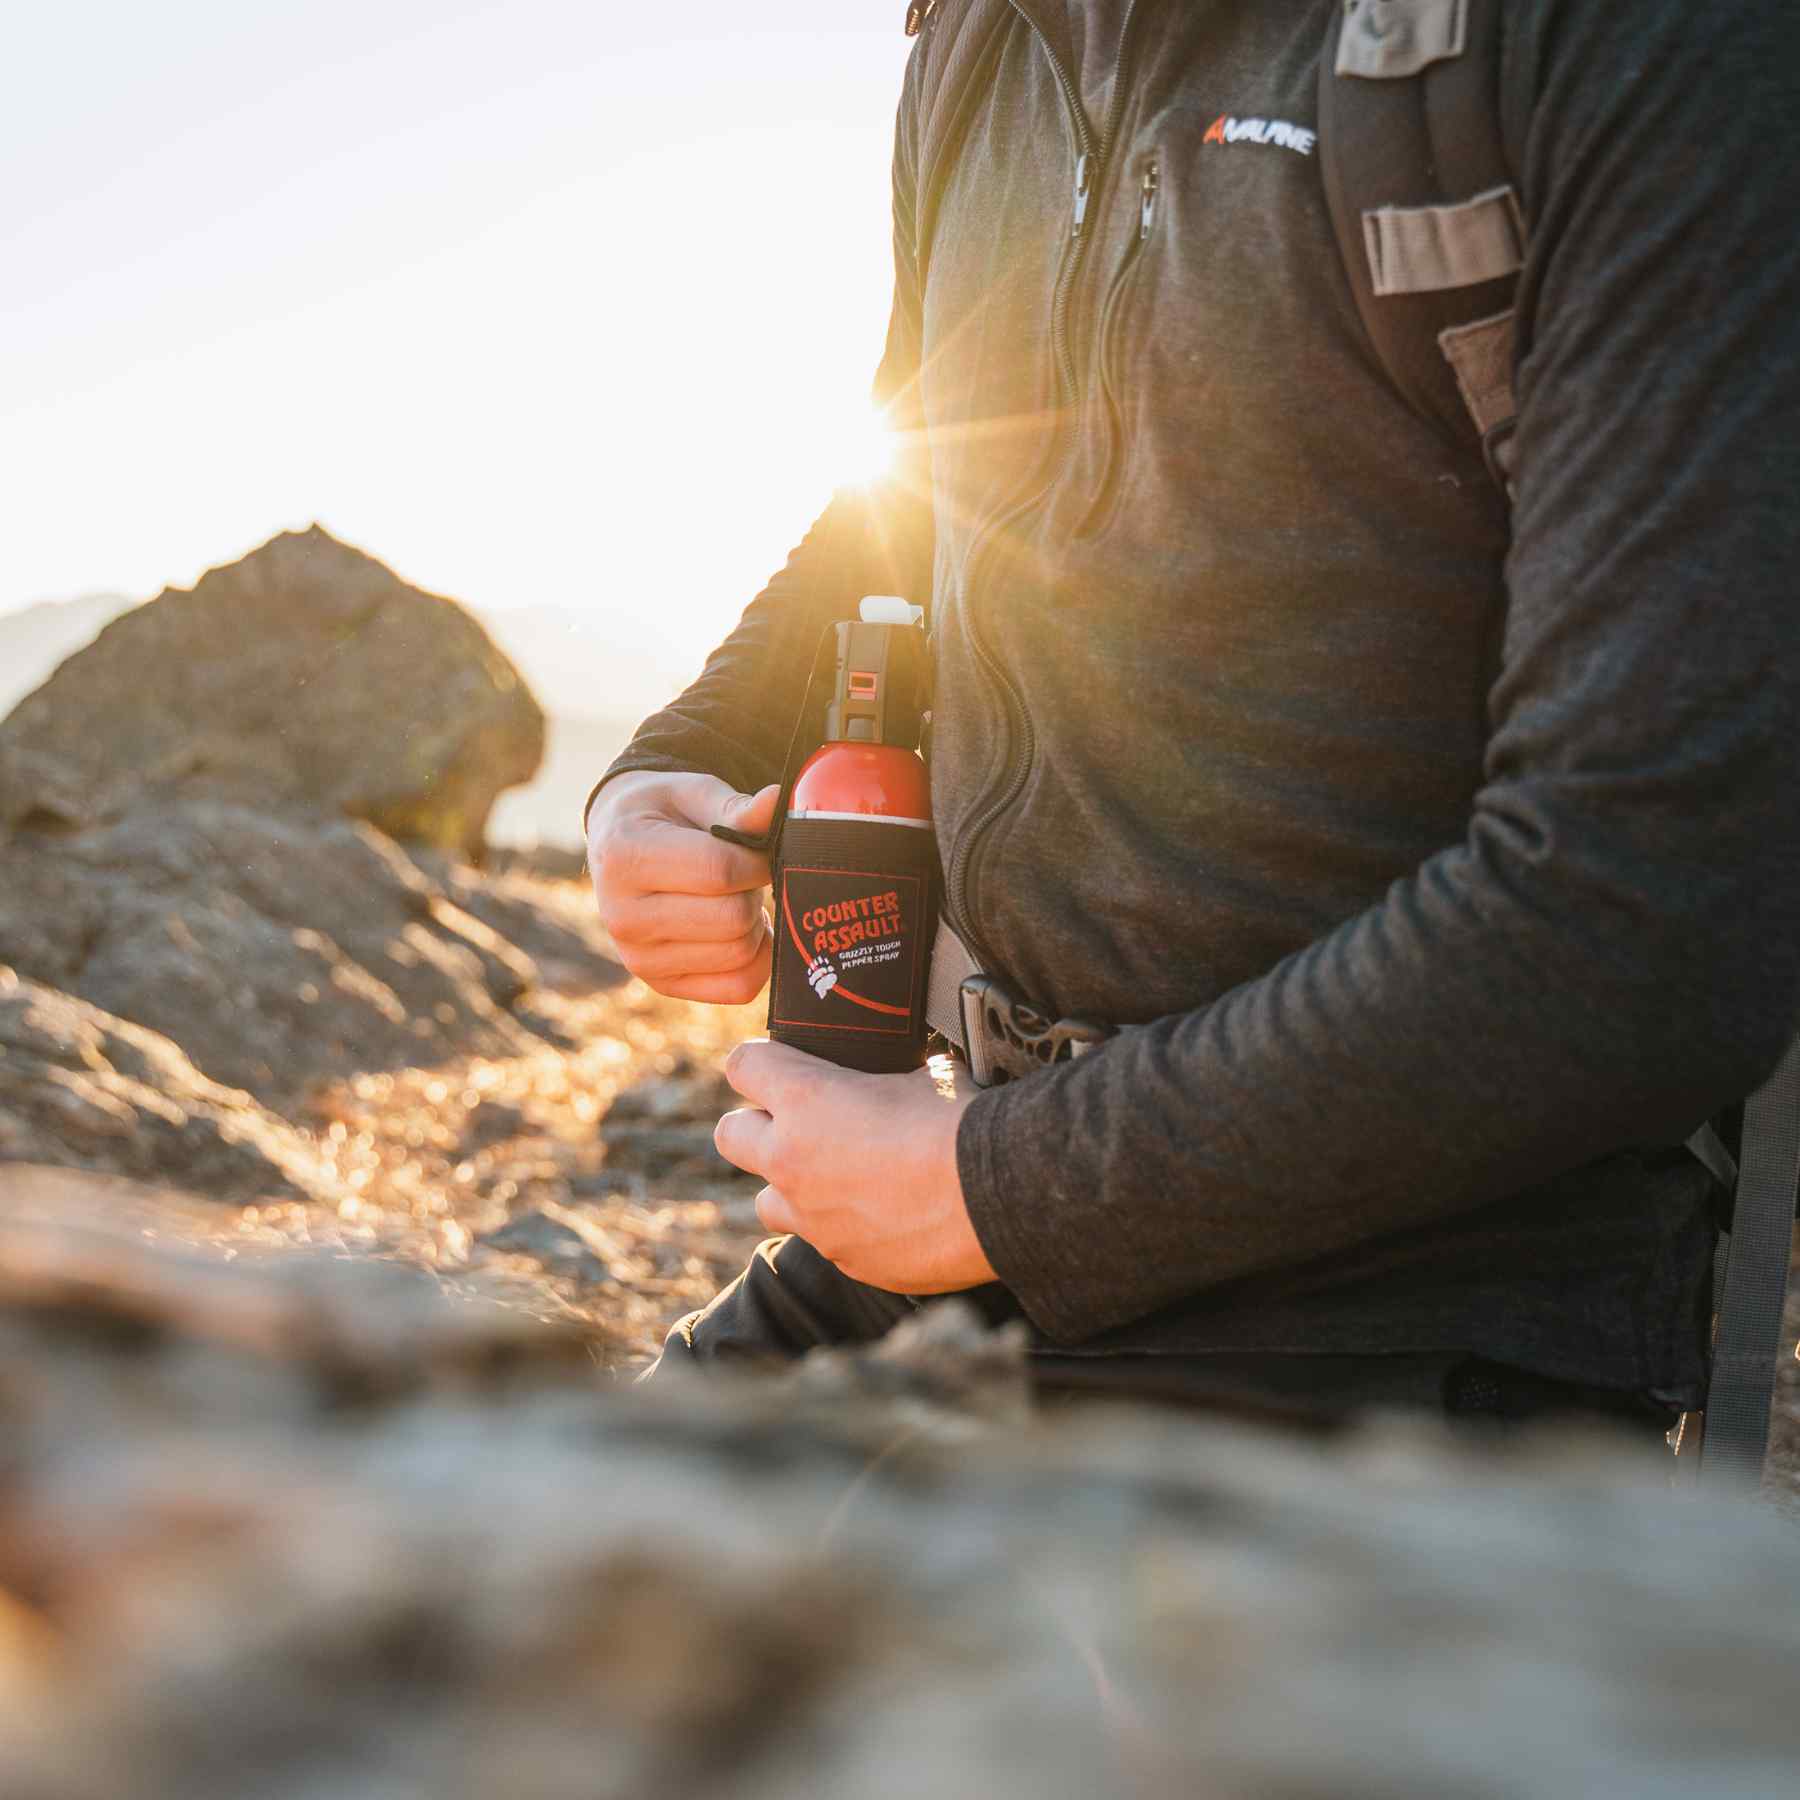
pixel 1613 949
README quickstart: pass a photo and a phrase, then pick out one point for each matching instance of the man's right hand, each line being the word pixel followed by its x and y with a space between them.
pixel 684 907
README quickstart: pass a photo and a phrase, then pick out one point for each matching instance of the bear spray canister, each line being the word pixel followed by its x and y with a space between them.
pixel 855 869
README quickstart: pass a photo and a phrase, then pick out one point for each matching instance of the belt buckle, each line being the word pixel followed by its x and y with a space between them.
pixel 1007 1037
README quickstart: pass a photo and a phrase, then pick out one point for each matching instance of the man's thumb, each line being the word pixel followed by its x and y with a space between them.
pixel 751 814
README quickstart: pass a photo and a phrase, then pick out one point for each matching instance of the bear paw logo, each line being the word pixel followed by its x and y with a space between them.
pixel 823 977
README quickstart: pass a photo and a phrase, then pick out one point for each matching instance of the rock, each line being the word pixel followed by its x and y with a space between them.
pixel 370 1328
pixel 78 1086
pixel 547 861
pixel 276 949
pixel 516 902
pixel 664 1127
pixel 599 1184
pixel 942 1364
pixel 683 1153
pixel 307 674
pixel 551 1242
pixel 300 1528
pixel 688 1094
pixel 491 1122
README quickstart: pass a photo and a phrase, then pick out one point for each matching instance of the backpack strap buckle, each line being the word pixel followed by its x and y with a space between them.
pixel 1007 1037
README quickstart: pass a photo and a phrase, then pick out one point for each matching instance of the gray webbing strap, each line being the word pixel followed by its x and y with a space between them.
pixel 1480 355
pixel 1709 1147
pixel 1747 1341
pixel 951 966
pixel 1388 40
pixel 1425 249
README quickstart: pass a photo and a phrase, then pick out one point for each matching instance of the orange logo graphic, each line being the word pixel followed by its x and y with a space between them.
pixel 1227 130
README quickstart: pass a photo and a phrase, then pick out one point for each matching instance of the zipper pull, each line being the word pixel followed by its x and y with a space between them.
pixel 1083 170
pixel 1147 202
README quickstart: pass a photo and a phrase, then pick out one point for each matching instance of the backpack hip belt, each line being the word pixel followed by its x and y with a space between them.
pixel 1001 1036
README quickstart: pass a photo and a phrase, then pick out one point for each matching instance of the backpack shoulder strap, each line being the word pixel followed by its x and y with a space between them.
pixel 1748 1336
pixel 1428 219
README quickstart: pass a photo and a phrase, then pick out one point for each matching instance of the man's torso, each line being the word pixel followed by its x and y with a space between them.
pixel 1247 602
pixel 1217 616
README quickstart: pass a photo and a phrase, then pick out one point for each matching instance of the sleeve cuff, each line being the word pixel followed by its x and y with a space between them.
pixel 628 764
pixel 1014 1229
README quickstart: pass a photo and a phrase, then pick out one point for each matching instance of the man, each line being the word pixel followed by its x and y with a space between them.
pixel 1439 863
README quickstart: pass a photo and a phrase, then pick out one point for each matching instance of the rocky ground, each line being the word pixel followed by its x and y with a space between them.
pixel 570 1166
pixel 571 1173
pixel 549 1141
pixel 255 959
pixel 580 1172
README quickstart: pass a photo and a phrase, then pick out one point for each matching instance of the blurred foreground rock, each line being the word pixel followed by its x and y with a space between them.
pixel 306 674
pixel 309 1528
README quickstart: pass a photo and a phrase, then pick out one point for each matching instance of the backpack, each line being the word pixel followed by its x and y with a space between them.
pixel 1416 160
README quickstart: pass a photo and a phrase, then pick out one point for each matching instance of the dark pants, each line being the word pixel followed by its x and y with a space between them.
pixel 791 1300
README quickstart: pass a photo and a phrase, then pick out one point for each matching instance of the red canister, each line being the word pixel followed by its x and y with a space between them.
pixel 856 869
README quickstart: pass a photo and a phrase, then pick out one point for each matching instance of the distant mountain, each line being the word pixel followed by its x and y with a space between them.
pixel 583 664
pixel 548 810
pixel 36 638
pixel 595 676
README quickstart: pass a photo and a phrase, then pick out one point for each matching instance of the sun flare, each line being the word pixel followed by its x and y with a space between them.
pixel 864 450
pixel 829 445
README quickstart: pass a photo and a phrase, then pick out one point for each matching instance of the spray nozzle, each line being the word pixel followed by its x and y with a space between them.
pixel 878 696
pixel 889 609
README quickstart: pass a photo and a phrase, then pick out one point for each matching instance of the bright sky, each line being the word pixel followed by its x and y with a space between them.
pixel 552 300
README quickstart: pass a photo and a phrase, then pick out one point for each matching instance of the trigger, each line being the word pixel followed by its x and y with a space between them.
pixel 742 839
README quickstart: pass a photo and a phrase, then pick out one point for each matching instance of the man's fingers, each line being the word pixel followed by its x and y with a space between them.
pixel 655 962
pixel 738 988
pixel 769 1074
pixel 746 1138
pixel 774 1212
pixel 687 918
pixel 664 856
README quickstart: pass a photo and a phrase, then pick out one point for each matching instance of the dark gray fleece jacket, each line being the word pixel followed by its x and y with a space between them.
pixel 1443 868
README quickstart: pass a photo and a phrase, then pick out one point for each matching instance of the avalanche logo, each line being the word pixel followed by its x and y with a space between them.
pixel 1227 130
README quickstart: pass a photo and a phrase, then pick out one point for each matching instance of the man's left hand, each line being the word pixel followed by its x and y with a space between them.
pixel 863 1167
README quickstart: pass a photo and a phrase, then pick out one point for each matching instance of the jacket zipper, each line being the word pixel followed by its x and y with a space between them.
pixel 1090 164
pixel 1113 469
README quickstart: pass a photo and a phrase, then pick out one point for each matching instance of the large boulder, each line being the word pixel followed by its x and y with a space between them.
pixel 306 674
pixel 282 949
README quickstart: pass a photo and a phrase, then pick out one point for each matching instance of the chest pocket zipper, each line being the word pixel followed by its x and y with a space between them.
pixel 1107 360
